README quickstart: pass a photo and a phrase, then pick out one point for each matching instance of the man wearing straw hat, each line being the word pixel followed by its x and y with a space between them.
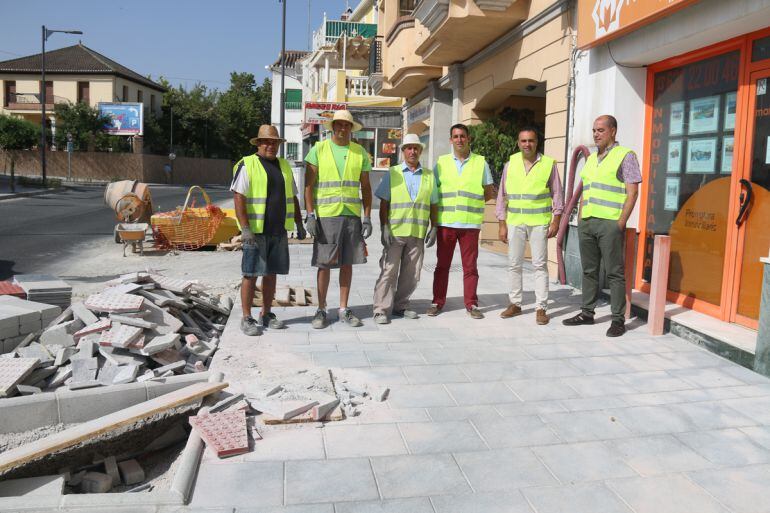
pixel 266 206
pixel 408 205
pixel 336 185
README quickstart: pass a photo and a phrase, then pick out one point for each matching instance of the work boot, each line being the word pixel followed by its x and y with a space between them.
pixel 350 319
pixel 434 310
pixel 381 318
pixel 578 320
pixel 250 327
pixel 272 322
pixel 474 312
pixel 511 311
pixel 541 317
pixel 616 329
pixel 406 314
pixel 319 320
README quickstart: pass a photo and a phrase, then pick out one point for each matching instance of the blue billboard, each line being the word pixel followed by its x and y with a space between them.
pixel 126 118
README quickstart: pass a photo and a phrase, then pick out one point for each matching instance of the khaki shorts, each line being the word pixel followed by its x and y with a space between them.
pixel 339 243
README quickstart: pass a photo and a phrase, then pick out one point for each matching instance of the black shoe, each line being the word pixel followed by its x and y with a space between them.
pixel 579 319
pixel 616 329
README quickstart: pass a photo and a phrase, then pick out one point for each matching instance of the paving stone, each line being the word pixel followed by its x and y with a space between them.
pixel 342 480
pixel 84 314
pixel 726 447
pixel 586 461
pixel 447 413
pixel 166 323
pixel 575 498
pixel 466 394
pixel 63 355
pixel 111 469
pixel 418 476
pixel 421 505
pixel 541 389
pixel 27 389
pixel 13 371
pixel 599 386
pixel 419 396
pixel 33 487
pixel 503 470
pixel 441 437
pixel 97 327
pixel 712 415
pixel 120 336
pixel 303 443
pixel 96 482
pixel 131 472
pixel 518 431
pixel 363 440
pixel 672 493
pixel 39 375
pixel 335 359
pixel 225 432
pixel 160 343
pixel 84 369
pixel 740 489
pixel 38 351
pixel 658 455
pixel 379 358
pixel 132 321
pixel 114 303
pixel 498 502
pixel 583 426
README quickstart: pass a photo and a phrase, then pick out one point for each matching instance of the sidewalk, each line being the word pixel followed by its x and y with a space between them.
pixel 20 191
pixel 495 415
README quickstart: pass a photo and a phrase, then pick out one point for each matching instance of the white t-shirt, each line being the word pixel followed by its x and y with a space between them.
pixel 241 182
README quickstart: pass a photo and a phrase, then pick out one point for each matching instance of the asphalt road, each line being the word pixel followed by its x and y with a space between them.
pixel 36 230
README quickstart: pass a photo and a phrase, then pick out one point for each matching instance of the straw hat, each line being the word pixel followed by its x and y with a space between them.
pixel 267 132
pixel 343 115
pixel 412 139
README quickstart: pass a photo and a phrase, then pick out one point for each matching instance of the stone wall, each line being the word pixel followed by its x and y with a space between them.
pixel 107 167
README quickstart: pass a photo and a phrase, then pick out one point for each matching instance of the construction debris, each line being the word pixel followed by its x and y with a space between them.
pixel 289 296
pixel 45 289
pixel 130 331
pixel 225 432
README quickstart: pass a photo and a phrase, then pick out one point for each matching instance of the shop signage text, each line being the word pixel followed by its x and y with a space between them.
pixel 319 112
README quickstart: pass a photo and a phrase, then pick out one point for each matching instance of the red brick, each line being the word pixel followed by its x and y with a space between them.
pixel 225 432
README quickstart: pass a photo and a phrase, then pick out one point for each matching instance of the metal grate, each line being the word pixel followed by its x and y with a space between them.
pixel 456 268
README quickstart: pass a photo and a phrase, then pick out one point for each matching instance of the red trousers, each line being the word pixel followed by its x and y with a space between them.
pixel 447 239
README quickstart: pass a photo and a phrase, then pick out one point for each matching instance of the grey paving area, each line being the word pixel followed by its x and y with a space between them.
pixel 504 416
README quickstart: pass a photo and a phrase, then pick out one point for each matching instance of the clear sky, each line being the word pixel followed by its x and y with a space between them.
pixel 186 41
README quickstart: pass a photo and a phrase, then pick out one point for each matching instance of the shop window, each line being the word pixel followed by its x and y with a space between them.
pixel 388 141
pixel 293 99
pixel 760 49
pixel 292 150
pixel 692 141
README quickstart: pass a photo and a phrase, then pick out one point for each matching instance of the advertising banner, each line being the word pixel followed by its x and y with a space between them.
pixel 318 112
pixel 127 118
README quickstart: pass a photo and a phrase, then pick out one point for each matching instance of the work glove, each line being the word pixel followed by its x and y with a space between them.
pixel 301 233
pixel 386 237
pixel 311 223
pixel 247 236
pixel 430 237
pixel 366 227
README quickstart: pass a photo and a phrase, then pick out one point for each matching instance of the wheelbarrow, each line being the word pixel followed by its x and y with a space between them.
pixel 133 234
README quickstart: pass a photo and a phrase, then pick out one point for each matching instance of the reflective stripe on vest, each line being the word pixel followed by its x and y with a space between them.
pixel 529 197
pixel 603 194
pixel 331 194
pixel 461 198
pixel 409 218
pixel 256 201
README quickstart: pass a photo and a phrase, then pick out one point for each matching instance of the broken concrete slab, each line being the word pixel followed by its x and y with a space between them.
pixel 326 404
pixel 173 367
pixel 84 369
pixel 80 385
pixel 35 350
pixel 174 435
pixel 159 343
pixel 131 472
pixel 84 314
pixel 13 371
pixel 120 356
pixel 282 410
pixel 171 284
pixel 58 335
pixel 225 403
pixel 120 336
pixel 97 327
pixel 107 374
pixel 40 374
pixel 28 390
pixel 133 321
pixel 116 303
pixel 33 486
pixel 111 469
pixel 166 323
pixel 96 482
pixel 126 374
pixel 61 375
pixel 166 357
pixel 63 355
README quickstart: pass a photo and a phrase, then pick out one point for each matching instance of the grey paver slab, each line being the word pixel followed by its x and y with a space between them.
pixel 522 431
pixel 468 394
pixel 363 440
pixel 529 408
pixel 412 357
pixel 418 475
pixel 390 415
pixel 441 437
pixel 693 359
pixel 599 365
pixel 543 351
pixel 438 334
pixel 419 396
pixel 288 444
pixel 658 455
pixel 309 481
pixel 416 505
pixel 594 403
pixel 654 381
pixel 583 426
pixel 446 413
pixel 759 435
pixel 541 389
pixel 757 408
pixel 426 374
pixel 707 377
pixel 646 362
pixel 489 371
pixel 449 355
pixel 543 369
pixel 576 498
pixel 335 359
pixel 672 493
pixel 309 508
pixel 712 415
pixel 740 489
pixel 233 484
pixel 599 386
pixel 726 447
pixel 652 420
pixel 495 502
pixel 503 470
pixel 586 461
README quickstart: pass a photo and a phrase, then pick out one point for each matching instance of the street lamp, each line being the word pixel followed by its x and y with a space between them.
pixel 46 33
pixel 283 77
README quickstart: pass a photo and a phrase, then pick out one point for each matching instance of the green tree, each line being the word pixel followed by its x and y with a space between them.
pixel 496 137
pixel 16 134
pixel 86 125
pixel 242 109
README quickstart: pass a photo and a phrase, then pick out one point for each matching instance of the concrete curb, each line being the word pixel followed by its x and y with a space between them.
pixel 71 406
pixel 31 193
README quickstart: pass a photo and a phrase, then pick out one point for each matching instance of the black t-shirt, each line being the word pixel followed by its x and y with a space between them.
pixel 275 209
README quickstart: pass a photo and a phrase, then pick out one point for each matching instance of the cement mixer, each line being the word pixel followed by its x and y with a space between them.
pixel 130 200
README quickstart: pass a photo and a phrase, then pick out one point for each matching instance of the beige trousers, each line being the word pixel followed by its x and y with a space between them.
pixel 518 235
pixel 400 267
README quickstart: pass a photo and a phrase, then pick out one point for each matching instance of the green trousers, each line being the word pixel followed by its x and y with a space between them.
pixel 601 241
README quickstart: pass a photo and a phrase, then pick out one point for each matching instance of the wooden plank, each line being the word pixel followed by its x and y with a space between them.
pixel 299 296
pixel 73 436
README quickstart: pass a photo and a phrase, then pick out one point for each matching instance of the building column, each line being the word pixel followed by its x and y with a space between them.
pixel 441 118
pixel 456 74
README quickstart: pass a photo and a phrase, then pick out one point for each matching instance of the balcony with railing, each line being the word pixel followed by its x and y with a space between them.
pixel 332 31
pixel 404 73
pixel 479 21
pixel 358 86
pixel 31 101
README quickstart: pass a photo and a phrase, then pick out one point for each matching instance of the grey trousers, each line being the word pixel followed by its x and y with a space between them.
pixel 601 241
pixel 400 267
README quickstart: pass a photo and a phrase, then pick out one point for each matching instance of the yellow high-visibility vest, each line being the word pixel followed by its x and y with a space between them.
pixel 331 194
pixel 528 194
pixel 461 198
pixel 256 199
pixel 603 194
pixel 409 218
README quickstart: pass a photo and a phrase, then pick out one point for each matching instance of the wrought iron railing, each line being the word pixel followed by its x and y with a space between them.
pixel 375 56
pixel 332 30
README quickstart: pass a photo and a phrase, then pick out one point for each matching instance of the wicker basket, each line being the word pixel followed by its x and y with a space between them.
pixel 189 227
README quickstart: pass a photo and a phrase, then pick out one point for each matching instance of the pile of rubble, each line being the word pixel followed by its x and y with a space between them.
pixel 143 326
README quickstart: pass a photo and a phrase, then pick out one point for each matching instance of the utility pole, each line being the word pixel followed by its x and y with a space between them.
pixel 283 78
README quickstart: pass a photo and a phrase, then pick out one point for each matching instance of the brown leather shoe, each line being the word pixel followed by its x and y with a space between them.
pixel 511 311
pixel 433 311
pixel 541 317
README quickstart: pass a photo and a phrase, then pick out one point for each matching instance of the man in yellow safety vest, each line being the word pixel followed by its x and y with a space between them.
pixel 611 180
pixel 464 184
pixel 408 206
pixel 336 186
pixel 529 207
pixel 266 206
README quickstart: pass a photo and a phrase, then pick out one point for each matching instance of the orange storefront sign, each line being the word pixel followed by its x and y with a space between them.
pixel 602 20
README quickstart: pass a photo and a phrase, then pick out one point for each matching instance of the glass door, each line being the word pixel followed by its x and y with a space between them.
pixel 753 217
